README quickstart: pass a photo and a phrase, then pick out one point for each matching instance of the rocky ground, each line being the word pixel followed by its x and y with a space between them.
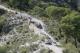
pixel 20 35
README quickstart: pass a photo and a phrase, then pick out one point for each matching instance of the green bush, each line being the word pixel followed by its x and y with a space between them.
pixel 70 24
pixel 23 4
pixel 70 48
pixel 38 11
pixel 20 4
pixel 56 12
pixel 70 28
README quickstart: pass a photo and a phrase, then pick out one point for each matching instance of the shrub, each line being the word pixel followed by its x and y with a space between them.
pixel 70 28
pixel 38 11
pixel 57 12
pixel 70 48
pixel 70 24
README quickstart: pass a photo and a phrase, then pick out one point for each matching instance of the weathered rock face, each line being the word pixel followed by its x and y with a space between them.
pixel 13 20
